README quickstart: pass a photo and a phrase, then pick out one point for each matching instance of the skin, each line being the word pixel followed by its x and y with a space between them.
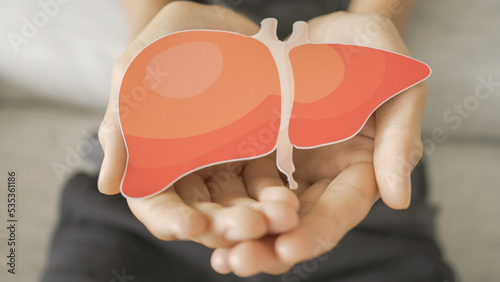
pixel 397 10
pixel 243 210
pixel 343 180
pixel 213 220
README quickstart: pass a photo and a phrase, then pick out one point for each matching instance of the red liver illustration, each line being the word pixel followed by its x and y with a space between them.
pixel 338 87
pixel 192 99
pixel 196 98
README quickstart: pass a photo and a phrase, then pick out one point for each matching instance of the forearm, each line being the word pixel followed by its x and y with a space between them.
pixel 141 12
pixel 397 10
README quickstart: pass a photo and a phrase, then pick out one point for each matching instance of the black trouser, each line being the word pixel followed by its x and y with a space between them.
pixel 99 239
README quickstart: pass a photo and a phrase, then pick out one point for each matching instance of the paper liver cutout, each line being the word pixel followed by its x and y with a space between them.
pixel 197 98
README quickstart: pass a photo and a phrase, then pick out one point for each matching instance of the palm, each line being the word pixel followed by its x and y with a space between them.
pixel 338 183
pixel 336 189
pixel 221 205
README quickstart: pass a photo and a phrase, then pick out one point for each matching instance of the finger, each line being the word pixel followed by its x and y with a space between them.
pixel 310 197
pixel 167 217
pixel 315 164
pixel 277 202
pixel 231 224
pixel 219 260
pixel 231 218
pixel 328 161
pixel 345 202
pixel 115 155
pixel 261 173
pixel 398 145
pixel 280 216
pixel 272 214
pixel 227 189
pixel 192 189
pixel 233 215
pixel 251 257
pixel 263 182
pixel 110 135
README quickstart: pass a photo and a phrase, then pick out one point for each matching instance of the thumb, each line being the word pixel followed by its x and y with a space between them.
pixel 110 137
pixel 398 145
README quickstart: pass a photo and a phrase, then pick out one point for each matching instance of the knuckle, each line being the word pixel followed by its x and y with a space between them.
pixel 417 153
pixel 353 191
pixel 419 148
pixel 162 233
pixel 103 133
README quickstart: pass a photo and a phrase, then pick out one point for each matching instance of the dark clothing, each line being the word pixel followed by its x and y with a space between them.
pixel 99 239
pixel 285 11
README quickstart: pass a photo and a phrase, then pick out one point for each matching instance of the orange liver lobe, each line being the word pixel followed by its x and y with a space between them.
pixel 333 102
pixel 192 99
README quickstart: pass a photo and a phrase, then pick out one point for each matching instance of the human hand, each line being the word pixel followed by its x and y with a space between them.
pixel 221 205
pixel 397 130
pixel 337 188
pixel 341 180
pixel 176 16
pixel 200 207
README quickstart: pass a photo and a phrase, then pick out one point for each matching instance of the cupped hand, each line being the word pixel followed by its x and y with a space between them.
pixel 339 183
pixel 397 131
pixel 217 206
pixel 337 188
pixel 221 205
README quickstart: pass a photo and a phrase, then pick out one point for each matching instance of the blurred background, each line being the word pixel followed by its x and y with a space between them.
pixel 54 81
